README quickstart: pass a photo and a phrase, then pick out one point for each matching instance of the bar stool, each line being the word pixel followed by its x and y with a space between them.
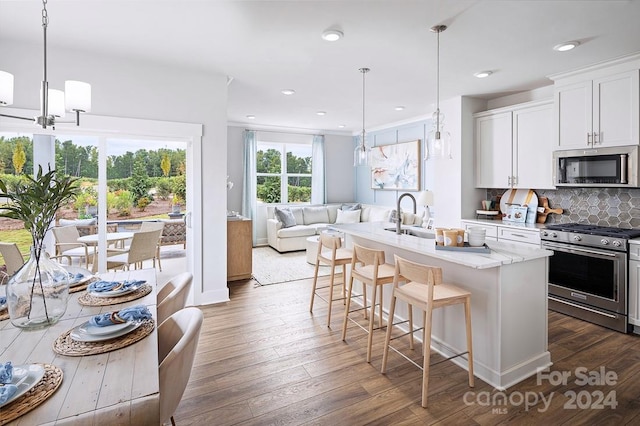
pixel 338 256
pixel 425 290
pixel 368 267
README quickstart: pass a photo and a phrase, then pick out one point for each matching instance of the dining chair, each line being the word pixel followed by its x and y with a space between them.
pixel 425 290
pixel 13 260
pixel 330 252
pixel 173 295
pixel 143 247
pixel 67 244
pixel 177 343
pixel 153 226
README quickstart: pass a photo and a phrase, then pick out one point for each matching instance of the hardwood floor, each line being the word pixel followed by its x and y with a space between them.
pixel 264 359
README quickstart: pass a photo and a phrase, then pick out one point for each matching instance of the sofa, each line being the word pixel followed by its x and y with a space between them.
pixel 291 234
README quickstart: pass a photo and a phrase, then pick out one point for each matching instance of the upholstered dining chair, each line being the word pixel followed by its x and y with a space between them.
pixel 67 244
pixel 153 226
pixel 173 296
pixel 143 247
pixel 13 260
pixel 177 343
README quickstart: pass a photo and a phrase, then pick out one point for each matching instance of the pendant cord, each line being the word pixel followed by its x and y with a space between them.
pixel 44 108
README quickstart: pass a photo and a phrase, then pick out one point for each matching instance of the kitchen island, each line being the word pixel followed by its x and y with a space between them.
pixel 508 301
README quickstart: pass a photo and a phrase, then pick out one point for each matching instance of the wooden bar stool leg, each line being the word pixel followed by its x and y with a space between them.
pixel 331 279
pixel 315 282
pixel 372 320
pixel 385 353
pixel 346 310
pixel 410 308
pixel 427 355
pixel 467 318
pixel 380 306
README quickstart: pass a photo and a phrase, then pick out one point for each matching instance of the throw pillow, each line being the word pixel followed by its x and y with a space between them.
pixel 348 216
pixel 347 207
pixel 315 215
pixel 77 222
pixel 285 216
pixel 378 215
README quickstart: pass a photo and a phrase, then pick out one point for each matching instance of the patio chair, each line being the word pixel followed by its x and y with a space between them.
pixel 13 260
pixel 153 226
pixel 144 246
pixel 178 339
pixel 67 244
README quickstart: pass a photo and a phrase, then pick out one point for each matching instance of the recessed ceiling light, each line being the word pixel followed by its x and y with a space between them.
pixel 563 47
pixel 251 117
pixel 321 113
pixel 288 91
pixel 342 126
pixel 332 35
pixel 483 74
pixel 399 108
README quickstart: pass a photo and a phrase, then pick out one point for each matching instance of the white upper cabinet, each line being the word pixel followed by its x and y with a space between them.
pixel 514 146
pixel 598 107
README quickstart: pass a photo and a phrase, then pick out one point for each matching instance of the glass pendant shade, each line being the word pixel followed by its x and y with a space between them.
pixel 438 140
pixel 6 88
pixel 77 96
pixel 362 154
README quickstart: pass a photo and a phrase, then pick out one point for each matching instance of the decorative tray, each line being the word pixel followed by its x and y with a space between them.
pixel 466 249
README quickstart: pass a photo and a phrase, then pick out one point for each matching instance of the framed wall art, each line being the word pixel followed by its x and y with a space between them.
pixel 396 166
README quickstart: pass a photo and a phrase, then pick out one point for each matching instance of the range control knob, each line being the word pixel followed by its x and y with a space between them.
pixel 577 238
pixel 604 242
pixel 617 243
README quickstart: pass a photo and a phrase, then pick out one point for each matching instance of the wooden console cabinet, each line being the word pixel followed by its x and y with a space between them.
pixel 239 246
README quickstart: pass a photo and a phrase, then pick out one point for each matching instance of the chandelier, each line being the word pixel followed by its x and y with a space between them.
pixel 438 140
pixel 362 152
pixel 53 103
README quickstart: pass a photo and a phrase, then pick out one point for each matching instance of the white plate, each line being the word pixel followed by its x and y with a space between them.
pixel 93 330
pixel 3 307
pixel 88 275
pixel 31 374
pixel 116 293
pixel 519 197
pixel 79 336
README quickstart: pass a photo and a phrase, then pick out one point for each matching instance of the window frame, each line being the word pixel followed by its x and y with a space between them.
pixel 284 175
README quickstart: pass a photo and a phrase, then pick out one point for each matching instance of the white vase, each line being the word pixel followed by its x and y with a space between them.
pixel 37 294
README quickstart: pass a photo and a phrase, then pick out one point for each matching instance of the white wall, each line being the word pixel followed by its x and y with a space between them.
pixel 126 87
pixel 339 173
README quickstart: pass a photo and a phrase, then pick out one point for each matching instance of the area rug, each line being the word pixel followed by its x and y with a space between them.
pixel 271 267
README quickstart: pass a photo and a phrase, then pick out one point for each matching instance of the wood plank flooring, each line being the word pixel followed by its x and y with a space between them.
pixel 264 359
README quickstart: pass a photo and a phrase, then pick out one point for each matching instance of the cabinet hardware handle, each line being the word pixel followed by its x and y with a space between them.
pixel 588 138
pixel 596 137
pixel 509 180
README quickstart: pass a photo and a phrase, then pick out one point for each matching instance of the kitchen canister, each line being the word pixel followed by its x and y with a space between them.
pixel 460 237
pixel 450 237
pixel 440 236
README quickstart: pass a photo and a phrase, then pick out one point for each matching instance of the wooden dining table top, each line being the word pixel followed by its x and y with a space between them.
pixel 121 386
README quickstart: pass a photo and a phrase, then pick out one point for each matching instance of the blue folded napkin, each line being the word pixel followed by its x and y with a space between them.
pixel 6 372
pixel 3 300
pixel 102 286
pixel 6 392
pixel 133 313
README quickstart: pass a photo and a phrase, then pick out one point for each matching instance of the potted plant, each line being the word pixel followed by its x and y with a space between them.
pixel 176 203
pixel 37 294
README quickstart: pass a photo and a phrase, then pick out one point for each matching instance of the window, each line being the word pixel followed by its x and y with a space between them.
pixel 283 172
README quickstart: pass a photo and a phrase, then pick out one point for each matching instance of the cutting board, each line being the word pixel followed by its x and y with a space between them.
pixel 544 210
pixel 520 197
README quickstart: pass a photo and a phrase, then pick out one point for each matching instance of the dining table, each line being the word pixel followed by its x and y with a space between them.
pixel 110 237
pixel 120 386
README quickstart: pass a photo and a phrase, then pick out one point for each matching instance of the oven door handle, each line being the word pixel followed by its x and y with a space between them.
pixel 579 250
pixel 555 299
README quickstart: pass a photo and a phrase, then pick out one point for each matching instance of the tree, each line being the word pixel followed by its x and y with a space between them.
pixel 165 164
pixel 139 185
pixel 19 158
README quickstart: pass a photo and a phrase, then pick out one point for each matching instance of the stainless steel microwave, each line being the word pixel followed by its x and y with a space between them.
pixel 597 167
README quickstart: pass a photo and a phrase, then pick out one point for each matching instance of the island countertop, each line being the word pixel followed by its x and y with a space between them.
pixel 502 253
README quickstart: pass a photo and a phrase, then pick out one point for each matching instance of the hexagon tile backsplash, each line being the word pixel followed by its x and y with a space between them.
pixel 618 207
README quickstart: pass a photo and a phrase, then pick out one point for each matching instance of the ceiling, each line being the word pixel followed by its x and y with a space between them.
pixel 267 46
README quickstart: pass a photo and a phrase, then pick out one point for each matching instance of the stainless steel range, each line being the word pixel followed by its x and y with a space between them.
pixel 588 273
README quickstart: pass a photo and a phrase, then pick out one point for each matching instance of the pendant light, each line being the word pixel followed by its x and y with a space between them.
pixel 76 97
pixel 438 140
pixel 362 153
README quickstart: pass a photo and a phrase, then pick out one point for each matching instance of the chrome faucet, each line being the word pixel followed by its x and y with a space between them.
pixel 399 216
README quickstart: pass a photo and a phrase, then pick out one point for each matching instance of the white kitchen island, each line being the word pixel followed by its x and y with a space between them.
pixel 508 301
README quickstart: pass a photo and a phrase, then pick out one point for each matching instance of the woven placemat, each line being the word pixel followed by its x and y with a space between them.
pixel 65 345
pixel 49 383
pixel 83 286
pixel 4 315
pixel 89 300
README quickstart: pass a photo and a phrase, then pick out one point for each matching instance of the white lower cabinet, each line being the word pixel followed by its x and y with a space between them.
pixel 507 233
pixel 634 286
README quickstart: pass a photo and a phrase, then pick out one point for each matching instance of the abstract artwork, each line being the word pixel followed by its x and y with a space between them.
pixel 396 167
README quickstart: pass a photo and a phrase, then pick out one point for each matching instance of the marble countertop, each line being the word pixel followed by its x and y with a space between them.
pixel 502 253
pixel 531 226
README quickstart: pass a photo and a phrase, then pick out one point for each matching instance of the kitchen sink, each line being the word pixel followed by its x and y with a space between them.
pixel 414 231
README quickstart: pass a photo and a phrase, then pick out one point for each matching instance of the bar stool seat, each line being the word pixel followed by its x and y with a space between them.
pixel 330 252
pixel 368 266
pixel 425 290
